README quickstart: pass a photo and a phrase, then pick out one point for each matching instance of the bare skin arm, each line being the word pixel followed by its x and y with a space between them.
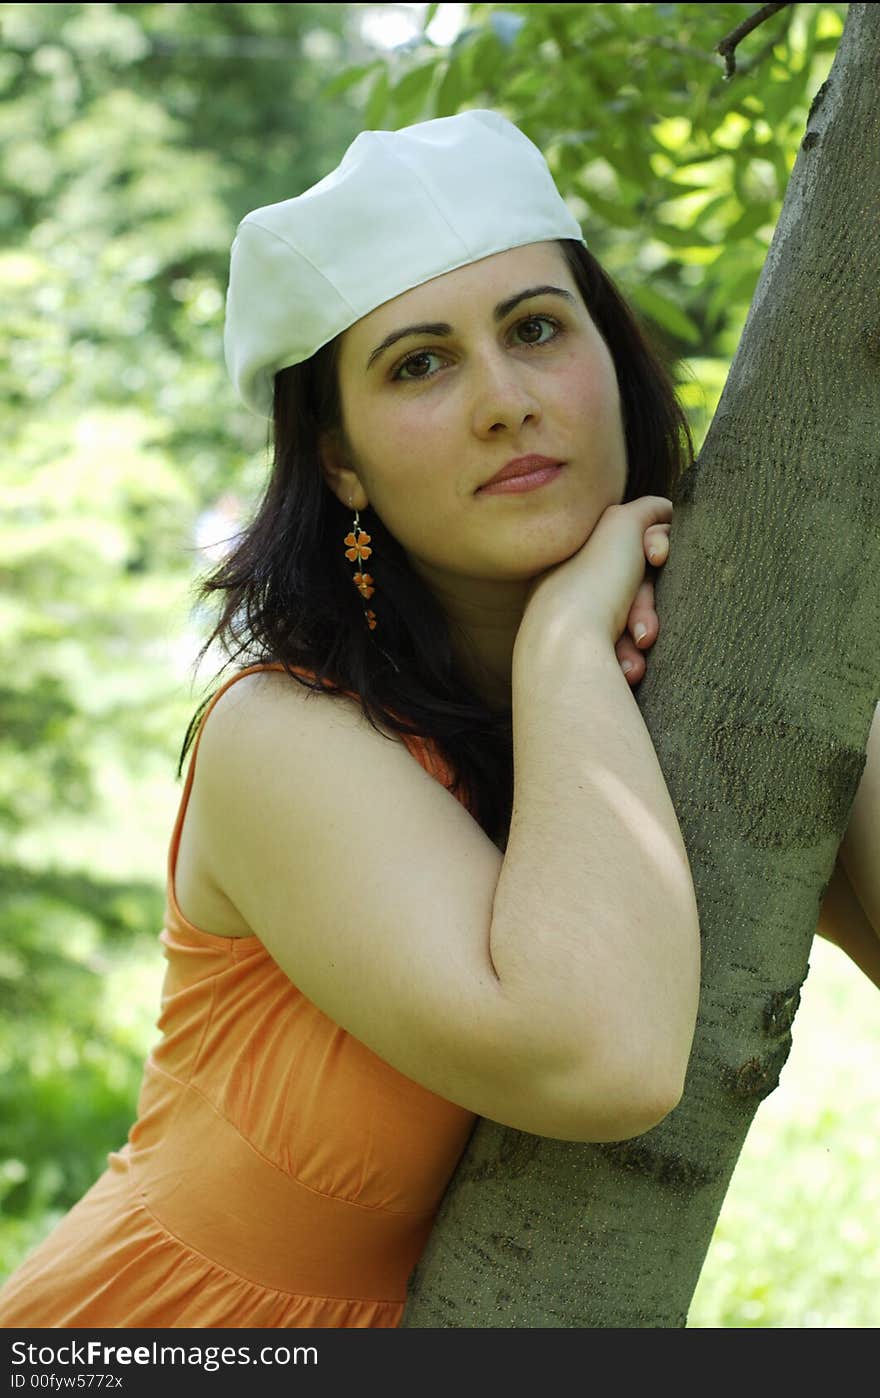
pixel 843 921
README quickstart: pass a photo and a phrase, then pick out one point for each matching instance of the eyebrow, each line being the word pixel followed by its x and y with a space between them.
pixel 441 328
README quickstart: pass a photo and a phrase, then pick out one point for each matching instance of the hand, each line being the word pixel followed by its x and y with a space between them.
pixel 643 611
pixel 596 589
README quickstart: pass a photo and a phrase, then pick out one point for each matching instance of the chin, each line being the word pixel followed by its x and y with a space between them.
pixel 567 543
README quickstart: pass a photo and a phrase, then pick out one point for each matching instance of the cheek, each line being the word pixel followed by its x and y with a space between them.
pixel 590 386
pixel 408 452
pixel 596 415
pixel 411 479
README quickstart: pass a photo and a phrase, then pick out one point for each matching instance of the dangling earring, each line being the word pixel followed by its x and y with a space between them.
pixel 358 552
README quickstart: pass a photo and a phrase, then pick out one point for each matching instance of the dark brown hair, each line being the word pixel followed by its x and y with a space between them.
pixel 288 587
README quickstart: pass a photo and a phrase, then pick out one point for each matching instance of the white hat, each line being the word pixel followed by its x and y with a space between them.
pixel 400 208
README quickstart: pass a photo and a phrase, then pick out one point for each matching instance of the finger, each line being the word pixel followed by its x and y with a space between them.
pixel 643 622
pixel 628 655
pixel 657 543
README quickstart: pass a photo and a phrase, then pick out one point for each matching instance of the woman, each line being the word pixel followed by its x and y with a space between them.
pixel 474 451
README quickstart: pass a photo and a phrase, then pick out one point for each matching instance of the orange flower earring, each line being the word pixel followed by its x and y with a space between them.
pixel 358 551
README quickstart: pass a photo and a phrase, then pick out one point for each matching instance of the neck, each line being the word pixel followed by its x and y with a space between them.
pixel 484 617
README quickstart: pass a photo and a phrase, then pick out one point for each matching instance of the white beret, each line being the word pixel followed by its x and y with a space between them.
pixel 400 208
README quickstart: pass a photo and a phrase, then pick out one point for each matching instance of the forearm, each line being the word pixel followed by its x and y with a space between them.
pixel 843 921
pixel 595 927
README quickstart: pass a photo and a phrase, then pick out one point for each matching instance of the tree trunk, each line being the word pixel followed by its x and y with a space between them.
pixel 759 698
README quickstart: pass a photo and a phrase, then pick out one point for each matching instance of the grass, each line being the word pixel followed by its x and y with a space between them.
pixel 797 1244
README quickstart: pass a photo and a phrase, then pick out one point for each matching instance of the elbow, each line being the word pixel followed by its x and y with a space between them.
pixel 655 1095
pixel 635 1116
pixel 624 1083
pixel 645 1063
pixel 630 1106
pixel 654 1109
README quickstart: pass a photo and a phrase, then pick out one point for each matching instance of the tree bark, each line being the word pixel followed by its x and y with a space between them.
pixel 759 698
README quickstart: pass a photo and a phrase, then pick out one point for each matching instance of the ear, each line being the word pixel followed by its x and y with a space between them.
pixel 340 475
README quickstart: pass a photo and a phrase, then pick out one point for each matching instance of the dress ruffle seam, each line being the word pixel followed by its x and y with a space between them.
pixel 321 1194
pixel 224 1271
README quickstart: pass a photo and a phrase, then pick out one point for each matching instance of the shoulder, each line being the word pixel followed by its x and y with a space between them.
pixel 271 743
pixel 272 701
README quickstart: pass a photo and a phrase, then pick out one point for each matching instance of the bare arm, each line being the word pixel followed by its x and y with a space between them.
pixel 850 912
pixel 594 927
pixel 860 849
pixel 380 897
pixel 842 920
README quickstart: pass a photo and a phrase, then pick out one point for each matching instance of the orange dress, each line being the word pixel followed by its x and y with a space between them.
pixel 279 1173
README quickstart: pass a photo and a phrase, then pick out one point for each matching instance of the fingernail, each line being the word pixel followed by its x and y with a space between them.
pixel 626 666
pixel 640 631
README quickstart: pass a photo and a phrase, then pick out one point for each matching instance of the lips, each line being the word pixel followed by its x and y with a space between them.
pixel 522 466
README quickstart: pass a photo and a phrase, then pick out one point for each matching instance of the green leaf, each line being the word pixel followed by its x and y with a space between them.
pixel 414 85
pixel 487 55
pixel 524 86
pixel 409 97
pixel 781 98
pixel 683 237
pixel 783 171
pixel 618 215
pixel 753 218
pixel 666 312
pixel 733 292
pixel 377 102
pixel 348 79
pixel 450 93
pixel 466 37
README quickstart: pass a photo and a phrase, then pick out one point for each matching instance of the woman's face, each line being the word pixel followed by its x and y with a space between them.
pixel 430 418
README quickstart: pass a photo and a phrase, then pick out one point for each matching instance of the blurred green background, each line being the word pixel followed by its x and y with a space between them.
pixel 134 137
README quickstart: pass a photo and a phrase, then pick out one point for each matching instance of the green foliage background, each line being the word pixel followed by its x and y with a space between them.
pixel 134 137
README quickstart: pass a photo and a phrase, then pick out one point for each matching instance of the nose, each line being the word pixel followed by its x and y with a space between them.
pixel 503 396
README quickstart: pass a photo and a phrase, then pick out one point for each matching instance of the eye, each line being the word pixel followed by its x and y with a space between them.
pixel 539 320
pixel 420 355
pixel 414 359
